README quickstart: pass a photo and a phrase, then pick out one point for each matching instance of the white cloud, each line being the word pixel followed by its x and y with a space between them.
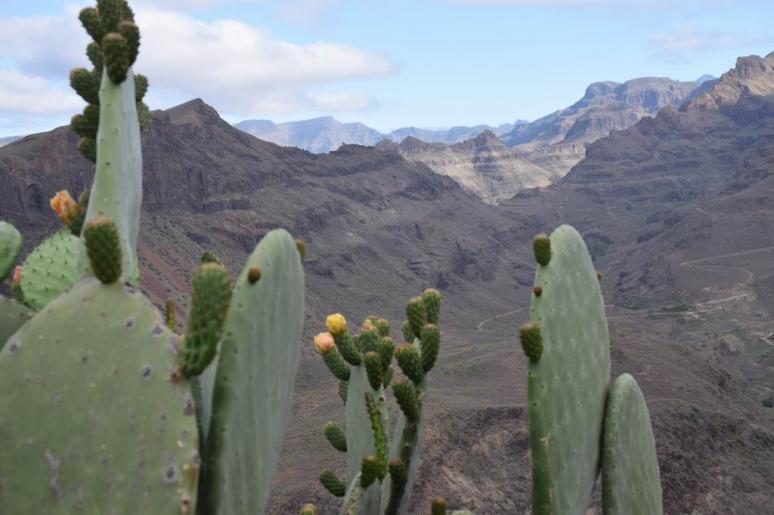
pixel 23 93
pixel 678 45
pixel 339 102
pixel 237 67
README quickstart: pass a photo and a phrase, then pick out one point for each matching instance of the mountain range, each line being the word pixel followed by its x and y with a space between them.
pixel 9 139
pixel 325 134
pixel 676 210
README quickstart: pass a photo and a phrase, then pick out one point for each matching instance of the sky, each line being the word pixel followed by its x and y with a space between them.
pixel 386 63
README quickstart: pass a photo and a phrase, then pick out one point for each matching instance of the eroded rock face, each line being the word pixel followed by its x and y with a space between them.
pixel 752 75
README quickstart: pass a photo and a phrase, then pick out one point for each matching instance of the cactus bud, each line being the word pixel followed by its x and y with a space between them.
pixel 382 327
pixel 538 291
pixel 373 366
pixel 336 324
pixel 531 341
pixel 406 396
pixel 111 12
pixel 94 53
pixel 115 53
pixel 389 372
pixel 76 225
pixel 369 470
pixel 541 245
pixel 431 342
pixel 332 483
pixel 86 84
pixel 103 249
pixel 386 349
pixel 347 348
pixel 91 21
pixel 368 339
pixel 432 300
pixel 417 315
pixel 335 436
pixel 131 34
pixel 209 257
pixel 408 334
pixel 88 148
pixel 599 275
pixel 140 87
pixel 209 305
pixel 439 506
pixel 17 276
pixel 336 365
pixel 301 246
pixel 343 386
pixel 409 361
pixel 169 314
pixel 398 473
pixel 308 509
pixel 254 275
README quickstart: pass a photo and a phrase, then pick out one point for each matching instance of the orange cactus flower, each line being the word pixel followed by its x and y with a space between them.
pixel 323 343
pixel 65 207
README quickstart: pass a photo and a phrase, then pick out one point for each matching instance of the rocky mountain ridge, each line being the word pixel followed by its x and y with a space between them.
pixel 676 211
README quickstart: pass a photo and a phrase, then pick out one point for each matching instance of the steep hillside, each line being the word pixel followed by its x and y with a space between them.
pixel 379 228
pixel 482 165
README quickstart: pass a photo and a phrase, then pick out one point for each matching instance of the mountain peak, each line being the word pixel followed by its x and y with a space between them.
pixel 193 112
pixel 753 75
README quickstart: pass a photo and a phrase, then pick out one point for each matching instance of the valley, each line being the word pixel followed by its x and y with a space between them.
pixel 676 210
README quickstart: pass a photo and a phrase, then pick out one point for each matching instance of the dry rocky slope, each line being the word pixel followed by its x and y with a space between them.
pixel 677 211
pixel 539 153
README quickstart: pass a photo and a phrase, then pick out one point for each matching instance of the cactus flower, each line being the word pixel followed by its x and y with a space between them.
pixel 336 324
pixel 17 274
pixel 65 207
pixel 323 343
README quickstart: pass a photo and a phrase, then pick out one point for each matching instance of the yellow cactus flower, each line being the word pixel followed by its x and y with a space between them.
pixel 17 273
pixel 65 207
pixel 336 324
pixel 323 343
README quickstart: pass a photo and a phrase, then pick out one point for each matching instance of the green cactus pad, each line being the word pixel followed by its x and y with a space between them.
pixel 103 249
pixel 568 385
pixel 117 190
pixel 12 316
pixel 94 424
pixel 10 245
pixel 51 269
pixel 254 379
pixel 630 475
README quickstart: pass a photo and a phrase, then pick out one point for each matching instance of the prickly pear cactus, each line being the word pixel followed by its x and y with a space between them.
pixel 51 269
pixel 10 245
pixel 380 470
pixel 631 482
pixel 91 421
pixel 254 375
pixel 568 379
pixel 117 190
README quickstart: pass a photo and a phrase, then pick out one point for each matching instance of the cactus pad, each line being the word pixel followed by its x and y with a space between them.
pixel 93 423
pixel 568 385
pixel 630 475
pixel 51 269
pixel 10 245
pixel 12 316
pixel 117 190
pixel 254 379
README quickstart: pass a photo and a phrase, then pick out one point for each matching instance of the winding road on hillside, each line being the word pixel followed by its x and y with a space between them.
pixel 703 264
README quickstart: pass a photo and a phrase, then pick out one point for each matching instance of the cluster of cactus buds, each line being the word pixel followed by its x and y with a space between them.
pixel 115 46
pixel 380 470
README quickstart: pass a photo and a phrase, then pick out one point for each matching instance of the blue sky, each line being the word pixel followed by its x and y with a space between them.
pixel 393 63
